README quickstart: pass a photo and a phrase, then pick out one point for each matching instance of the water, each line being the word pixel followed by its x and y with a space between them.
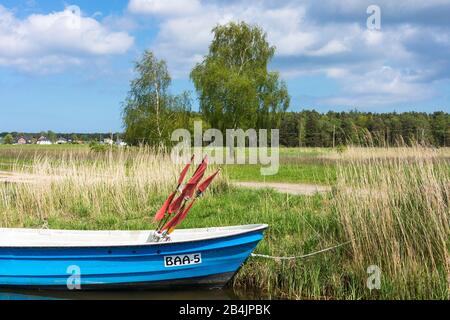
pixel 194 294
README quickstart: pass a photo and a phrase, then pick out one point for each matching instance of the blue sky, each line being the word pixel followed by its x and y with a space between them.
pixel 66 65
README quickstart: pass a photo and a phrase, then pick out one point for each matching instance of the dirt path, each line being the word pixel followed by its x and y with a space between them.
pixel 34 178
pixel 22 177
pixel 291 188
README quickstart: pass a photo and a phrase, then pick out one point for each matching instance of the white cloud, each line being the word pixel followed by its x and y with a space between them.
pixel 52 41
pixel 332 47
pixel 381 86
pixel 164 7
pixel 183 40
pixel 394 65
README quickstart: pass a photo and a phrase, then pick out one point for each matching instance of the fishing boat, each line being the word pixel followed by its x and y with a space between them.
pixel 61 259
pixel 162 258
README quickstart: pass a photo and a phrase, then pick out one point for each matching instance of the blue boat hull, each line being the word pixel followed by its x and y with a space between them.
pixel 126 267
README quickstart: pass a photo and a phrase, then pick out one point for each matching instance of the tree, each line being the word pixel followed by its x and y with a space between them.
pixel 312 129
pixel 51 136
pixel 234 86
pixel 441 128
pixel 150 112
pixel 9 139
pixel 289 130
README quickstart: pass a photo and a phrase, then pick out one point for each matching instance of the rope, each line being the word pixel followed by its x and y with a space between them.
pixel 45 225
pixel 299 257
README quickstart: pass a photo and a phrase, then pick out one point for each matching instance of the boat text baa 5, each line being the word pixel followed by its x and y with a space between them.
pixel 226 310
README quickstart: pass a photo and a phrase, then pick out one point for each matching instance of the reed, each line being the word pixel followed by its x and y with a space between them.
pixel 393 205
pixel 124 184
pixel 395 209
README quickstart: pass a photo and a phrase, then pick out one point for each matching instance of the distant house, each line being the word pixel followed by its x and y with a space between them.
pixel 43 141
pixel 21 140
pixel 61 140
pixel 121 143
pixel 108 141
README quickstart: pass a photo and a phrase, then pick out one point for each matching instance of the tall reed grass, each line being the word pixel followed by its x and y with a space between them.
pixel 393 205
pixel 395 209
pixel 106 187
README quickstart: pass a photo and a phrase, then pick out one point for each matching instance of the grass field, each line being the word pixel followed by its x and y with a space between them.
pixel 391 204
pixel 297 164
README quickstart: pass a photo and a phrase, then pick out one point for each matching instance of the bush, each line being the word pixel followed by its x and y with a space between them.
pixel 341 148
pixel 96 147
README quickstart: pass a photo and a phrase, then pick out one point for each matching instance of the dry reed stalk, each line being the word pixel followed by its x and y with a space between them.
pixel 401 222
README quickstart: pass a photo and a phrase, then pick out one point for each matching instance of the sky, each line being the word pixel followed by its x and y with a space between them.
pixel 66 65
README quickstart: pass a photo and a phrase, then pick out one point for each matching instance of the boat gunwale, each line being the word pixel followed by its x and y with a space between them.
pixel 257 227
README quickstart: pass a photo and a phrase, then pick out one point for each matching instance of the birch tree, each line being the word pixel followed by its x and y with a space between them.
pixel 151 112
pixel 234 85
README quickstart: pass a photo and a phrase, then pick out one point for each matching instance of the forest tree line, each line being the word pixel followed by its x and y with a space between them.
pixel 313 129
pixel 309 128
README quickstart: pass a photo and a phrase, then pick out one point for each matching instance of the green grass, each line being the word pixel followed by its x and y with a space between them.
pixel 297 165
pixel 290 173
pixel 14 152
pixel 36 147
pixel 396 211
pixel 23 155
